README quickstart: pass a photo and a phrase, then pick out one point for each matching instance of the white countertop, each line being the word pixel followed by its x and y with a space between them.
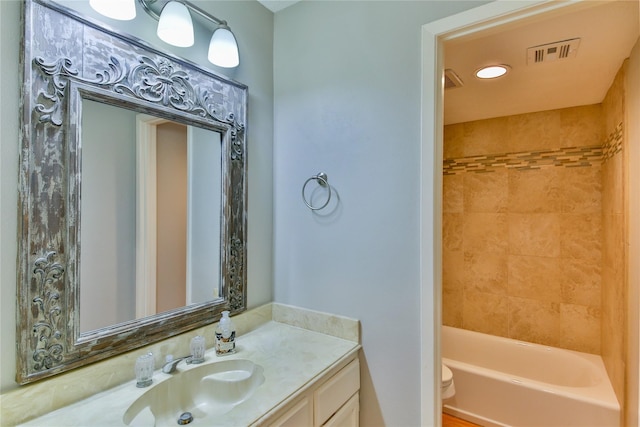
pixel 291 357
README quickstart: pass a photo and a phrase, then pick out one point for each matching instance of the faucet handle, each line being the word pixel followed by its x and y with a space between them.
pixel 144 370
pixel 198 349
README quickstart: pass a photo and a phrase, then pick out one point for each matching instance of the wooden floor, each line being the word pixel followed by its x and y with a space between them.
pixel 451 421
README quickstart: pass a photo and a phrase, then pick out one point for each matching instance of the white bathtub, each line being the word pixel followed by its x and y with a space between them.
pixel 503 382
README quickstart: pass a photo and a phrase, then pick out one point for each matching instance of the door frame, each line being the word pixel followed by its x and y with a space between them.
pixel 494 16
pixel 146 214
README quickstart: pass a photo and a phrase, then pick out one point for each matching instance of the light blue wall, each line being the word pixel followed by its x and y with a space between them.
pixel 9 99
pixel 253 27
pixel 347 102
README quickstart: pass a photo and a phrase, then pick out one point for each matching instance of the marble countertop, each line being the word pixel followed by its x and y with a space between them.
pixel 294 348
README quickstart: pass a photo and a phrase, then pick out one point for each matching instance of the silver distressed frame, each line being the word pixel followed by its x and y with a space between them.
pixel 67 57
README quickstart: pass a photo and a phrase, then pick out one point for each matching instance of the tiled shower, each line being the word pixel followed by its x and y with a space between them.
pixel 533 228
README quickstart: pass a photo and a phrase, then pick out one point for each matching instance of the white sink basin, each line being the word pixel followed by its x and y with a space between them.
pixel 204 391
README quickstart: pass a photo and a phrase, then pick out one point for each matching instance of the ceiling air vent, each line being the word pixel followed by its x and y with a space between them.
pixel 553 51
pixel 451 79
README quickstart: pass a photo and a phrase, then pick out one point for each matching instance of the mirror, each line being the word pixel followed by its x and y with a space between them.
pixel 132 194
pixel 151 203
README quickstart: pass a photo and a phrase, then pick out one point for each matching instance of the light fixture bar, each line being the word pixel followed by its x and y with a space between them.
pixel 146 5
pixel 204 14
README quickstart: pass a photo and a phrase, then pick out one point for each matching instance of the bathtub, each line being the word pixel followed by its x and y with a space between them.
pixel 503 382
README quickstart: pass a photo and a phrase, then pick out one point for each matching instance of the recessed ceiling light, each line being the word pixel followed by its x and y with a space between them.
pixel 492 71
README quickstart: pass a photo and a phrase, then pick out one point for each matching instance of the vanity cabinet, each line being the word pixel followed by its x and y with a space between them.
pixel 332 400
pixel 311 378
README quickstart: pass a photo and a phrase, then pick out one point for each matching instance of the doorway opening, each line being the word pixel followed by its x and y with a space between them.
pixel 491 18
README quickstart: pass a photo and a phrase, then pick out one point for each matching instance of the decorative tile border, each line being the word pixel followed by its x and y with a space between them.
pixel 566 157
pixel 613 144
pixel 539 159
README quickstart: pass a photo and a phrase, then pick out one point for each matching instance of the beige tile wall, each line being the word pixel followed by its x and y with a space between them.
pixel 614 285
pixel 522 239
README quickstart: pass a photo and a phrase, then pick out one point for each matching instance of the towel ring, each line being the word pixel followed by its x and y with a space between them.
pixel 323 181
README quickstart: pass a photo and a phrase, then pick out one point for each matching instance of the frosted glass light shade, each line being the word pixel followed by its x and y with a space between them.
pixel 122 10
pixel 175 26
pixel 223 48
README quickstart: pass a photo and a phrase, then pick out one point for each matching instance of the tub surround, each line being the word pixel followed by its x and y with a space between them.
pixel 544 228
pixel 522 227
pixel 293 345
pixel 614 231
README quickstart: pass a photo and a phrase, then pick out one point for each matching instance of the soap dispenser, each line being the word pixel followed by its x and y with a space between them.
pixel 225 336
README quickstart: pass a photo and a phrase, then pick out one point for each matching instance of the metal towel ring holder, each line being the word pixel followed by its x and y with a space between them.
pixel 323 181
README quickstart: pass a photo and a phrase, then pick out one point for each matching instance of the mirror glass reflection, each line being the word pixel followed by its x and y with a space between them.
pixel 151 205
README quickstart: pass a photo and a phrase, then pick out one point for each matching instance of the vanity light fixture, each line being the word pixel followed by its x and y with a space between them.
pixel 122 10
pixel 176 23
pixel 223 48
pixel 492 71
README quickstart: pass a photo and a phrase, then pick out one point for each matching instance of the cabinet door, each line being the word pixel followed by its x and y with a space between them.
pixel 333 394
pixel 300 415
pixel 348 415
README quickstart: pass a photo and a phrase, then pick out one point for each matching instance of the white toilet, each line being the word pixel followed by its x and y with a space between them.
pixel 448 388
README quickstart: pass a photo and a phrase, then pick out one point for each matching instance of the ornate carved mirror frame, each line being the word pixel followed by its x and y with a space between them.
pixel 67 57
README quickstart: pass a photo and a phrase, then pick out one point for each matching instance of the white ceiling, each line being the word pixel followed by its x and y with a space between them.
pixel 608 32
pixel 276 5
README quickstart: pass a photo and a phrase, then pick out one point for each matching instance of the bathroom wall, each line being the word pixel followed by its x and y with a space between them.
pixel 614 267
pixel 10 95
pixel 253 27
pixel 632 156
pixel 522 227
pixel 347 102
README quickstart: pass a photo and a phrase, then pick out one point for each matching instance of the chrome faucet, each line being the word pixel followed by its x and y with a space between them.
pixel 170 366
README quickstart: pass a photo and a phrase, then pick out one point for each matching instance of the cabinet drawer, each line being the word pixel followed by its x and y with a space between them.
pixel 348 415
pixel 301 414
pixel 330 396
